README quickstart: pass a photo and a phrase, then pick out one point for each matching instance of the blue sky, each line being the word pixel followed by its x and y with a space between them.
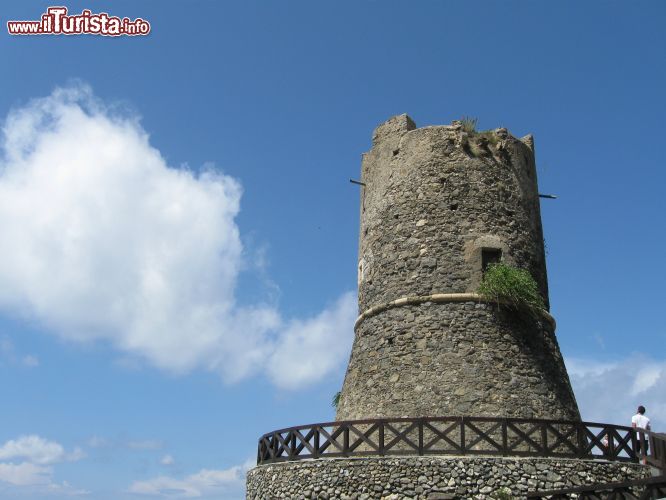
pixel 179 234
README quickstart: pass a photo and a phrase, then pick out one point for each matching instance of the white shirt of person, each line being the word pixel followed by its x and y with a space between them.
pixel 640 422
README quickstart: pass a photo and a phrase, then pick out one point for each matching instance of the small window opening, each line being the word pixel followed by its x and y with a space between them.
pixel 490 256
pixel 453 206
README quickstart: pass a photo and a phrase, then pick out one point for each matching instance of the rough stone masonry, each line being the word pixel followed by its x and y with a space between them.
pixel 438 204
pixel 428 478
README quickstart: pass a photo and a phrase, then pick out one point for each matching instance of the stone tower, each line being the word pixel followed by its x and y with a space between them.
pixel 447 395
pixel 437 206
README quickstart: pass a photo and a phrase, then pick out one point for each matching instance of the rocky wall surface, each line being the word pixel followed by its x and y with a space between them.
pixel 428 478
pixel 455 359
pixel 434 197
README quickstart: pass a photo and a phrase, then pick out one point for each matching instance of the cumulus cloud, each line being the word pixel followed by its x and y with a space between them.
pixel 25 474
pixel 38 451
pixel 102 240
pixel 167 460
pixel 318 336
pixel 610 391
pixel 30 479
pixel 34 470
pixel 204 482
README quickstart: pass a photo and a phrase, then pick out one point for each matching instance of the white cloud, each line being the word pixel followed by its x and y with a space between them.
pixel 31 479
pixel 34 472
pixel 38 450
pixel 25 474
pixel 167 460
pixel 610 391
pixel 321 344
pixel 102 240
pixel 204 482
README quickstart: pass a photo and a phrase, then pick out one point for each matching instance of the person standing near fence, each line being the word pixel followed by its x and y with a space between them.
pixel 641 422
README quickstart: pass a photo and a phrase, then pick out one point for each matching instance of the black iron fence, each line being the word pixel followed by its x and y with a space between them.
pixel 452 436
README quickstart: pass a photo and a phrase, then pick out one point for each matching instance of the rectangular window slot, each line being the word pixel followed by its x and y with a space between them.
pixel 490 256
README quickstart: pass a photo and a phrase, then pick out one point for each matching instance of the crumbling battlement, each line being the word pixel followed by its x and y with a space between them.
pixel 434 198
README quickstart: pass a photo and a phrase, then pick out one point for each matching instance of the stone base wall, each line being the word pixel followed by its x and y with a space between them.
pixel 462 358
pixel 428 478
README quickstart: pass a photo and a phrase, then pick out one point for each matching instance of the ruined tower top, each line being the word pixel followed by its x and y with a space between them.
pixel 438 205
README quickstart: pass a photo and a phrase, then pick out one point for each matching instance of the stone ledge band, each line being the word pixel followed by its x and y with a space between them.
pixel 437 298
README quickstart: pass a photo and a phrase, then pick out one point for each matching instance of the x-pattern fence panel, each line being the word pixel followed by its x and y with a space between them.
pixel 452 436
pixel 642 489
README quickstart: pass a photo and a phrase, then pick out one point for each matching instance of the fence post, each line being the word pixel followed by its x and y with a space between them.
pixel 505 437
pixel 292 444
pixel 581 439
pixel 345 440
pixel 316 441
pixel 381 438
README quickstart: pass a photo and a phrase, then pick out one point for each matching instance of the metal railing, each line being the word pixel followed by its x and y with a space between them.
pixel 451 436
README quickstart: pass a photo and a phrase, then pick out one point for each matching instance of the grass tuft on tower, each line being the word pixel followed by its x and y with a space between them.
pixel 512 287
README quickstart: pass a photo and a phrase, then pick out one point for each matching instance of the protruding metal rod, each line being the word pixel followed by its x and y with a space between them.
pixel 357 182
pixel 549 196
